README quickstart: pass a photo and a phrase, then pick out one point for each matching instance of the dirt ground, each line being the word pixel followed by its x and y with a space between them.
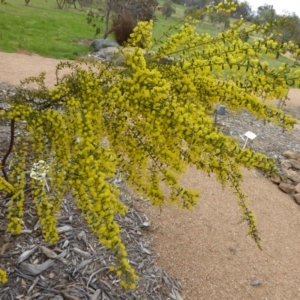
pixel 207 249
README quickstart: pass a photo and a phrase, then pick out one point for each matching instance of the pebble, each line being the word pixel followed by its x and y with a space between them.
pixel 255 282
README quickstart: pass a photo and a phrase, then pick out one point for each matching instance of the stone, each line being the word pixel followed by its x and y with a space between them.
pixel 286 187
pixel 297 188
pixel 255 282
pixel 106 53
pixel 275 179
pixel 291 154
pixel 295 163
pixel 293 175
pixel 103 43
pixel 285 164
pixel 166 60
pixel 113 53
pixel 297 198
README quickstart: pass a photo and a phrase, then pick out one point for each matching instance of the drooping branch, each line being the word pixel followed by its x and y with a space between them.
pixel 12 139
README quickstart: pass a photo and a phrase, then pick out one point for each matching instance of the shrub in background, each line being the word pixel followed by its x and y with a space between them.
pixel 123 26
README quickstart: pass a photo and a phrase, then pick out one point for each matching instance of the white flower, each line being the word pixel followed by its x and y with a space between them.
pixel 39 171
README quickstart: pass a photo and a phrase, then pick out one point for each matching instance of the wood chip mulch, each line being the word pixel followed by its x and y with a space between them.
pixel 77 267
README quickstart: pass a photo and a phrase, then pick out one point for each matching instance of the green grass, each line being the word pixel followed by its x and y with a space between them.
pixel 44 29
pixel 275 63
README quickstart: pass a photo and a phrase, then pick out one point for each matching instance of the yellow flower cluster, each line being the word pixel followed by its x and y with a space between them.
pixel 6 186
pixel 17 178
pixel 222 6
pixel 185 32
pixel 148 120
pixel 227 6
pixel 89 165
pixel 3 277
pixel 141 35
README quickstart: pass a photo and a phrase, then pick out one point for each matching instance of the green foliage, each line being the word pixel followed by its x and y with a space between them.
pixel 265 13
pixel 189 10
pixel 67 4
pixel 243 10
pixel 291 30
pixel 286 28
pixel 167 9
pixel 222 18
pixel 147 120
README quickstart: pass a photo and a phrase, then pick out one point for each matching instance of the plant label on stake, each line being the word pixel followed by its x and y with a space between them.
pixel 249 135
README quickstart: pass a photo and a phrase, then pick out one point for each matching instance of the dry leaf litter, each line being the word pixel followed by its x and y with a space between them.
pixel 77 267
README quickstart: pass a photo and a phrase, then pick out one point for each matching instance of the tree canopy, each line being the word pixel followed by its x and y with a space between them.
pixel 121 12
pixel 167 8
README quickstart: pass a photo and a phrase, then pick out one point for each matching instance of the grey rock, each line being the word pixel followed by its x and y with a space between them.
pixel 297 188
pixel 286 187
pixel 293 175
pixel 297 198
pixel 119 60
pixel 275 179
pixel 255 282
pixel 295 164
pixel 166 60
pixel 285 164
pixel 114 54
pixel 106 53
pixel 291 154
pixel 102 43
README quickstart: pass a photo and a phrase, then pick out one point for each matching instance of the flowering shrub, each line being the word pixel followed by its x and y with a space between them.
pixel 147 119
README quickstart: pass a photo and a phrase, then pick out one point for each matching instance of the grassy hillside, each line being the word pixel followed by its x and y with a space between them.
pixel 44 29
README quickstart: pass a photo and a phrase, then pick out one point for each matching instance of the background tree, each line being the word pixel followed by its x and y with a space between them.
pixel 283 28
pixel 243 10
pixel 115 12
pixel 167 8
pixel 122 26
pixel 220 18
pixel 265 14
pixel 66 4
pixel 288 28
pixel 196 3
